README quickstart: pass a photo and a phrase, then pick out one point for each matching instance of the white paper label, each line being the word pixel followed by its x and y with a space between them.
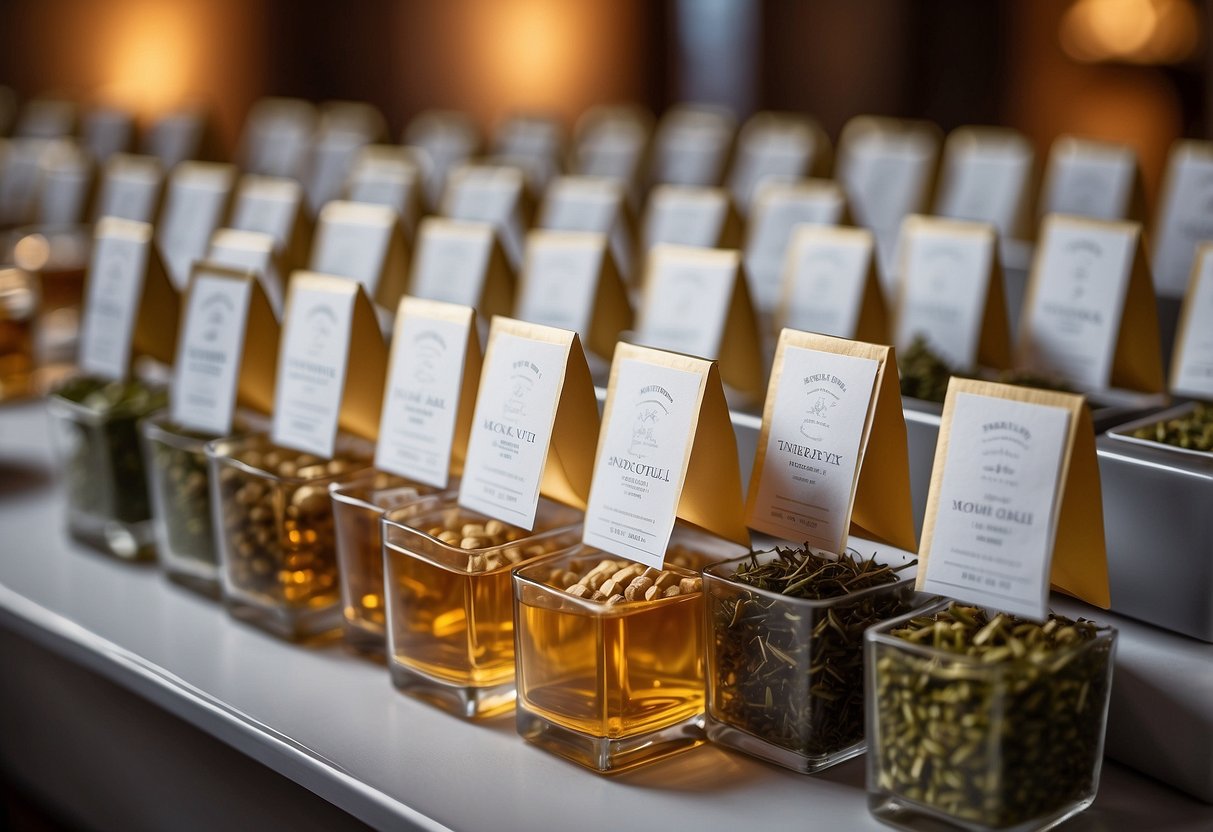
pixel 1186 220
pixel 986 184
pixel 685 218
pixel 1077 304
pixel 175 138
pixel 692 153
pixel 997 515
pixel 62 197
pixel 561 283
pixel 192 214
pixel 814 448
pixel 1194 350
pixel 268 207
pixel 1097 185
pixel 452 263
pixel 944 288
pixel 311 369
pixel 393 193
pixel 512 428
pixel 351 249
pixel 128 195
pixel 421 401
pixel 777 212
pixel 209 354
pixel 776 155
pixel 828 278
pixel 258 259
pixel 575 204
pixel 115 286
pixel 491 196
pixel 642 459
pixel 686 306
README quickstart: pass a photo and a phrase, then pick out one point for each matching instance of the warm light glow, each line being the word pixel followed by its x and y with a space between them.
pixel 529 49
pixel 150 55
pixel 1133 31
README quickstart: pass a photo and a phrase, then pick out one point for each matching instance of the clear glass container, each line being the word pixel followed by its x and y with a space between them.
pixel 273 521
pixel 96 427
pixel 785 674
pixel 450 614
pixel 18 310
pixel 358 506
pixel 974 742
pixel 613 684
pixel 59 255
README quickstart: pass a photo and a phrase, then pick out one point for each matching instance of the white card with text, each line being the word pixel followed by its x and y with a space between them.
pixel 642 459
pixel 452 261
pixel 997 505
pixel 814 448
pixel 685 216
pixel 115 286
pixel 778 209
pixel 353 242
pixel 1186 216
pixel 826 272
pixel 268 205
pixel 1089 180
pixel 209 353
pixel 1193 375
pixel 193 210
pixel 561 280
pixel 686 303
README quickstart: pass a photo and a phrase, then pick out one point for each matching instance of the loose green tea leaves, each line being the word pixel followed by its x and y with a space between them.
pixel 1193 430
pixel 184 500
pixel 925 375
pixel 791 673
pixel 105 475
pixel 1008 731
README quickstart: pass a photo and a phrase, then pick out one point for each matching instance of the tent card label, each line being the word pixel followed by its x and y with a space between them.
pixel 1089 179
pixel 452 261
pixel 642 460
pixel 197 197
pixel 561 279
pixel 1076 299
pixel 685 216
pixel 1186 216
pixel 209 353
pixel 815 438
pixel 129 188
pixel 115 285
pixel 435 359
pixel 251 250
pixel 946 287
pixel 491 194
pixel 827 273
pixel 312 366
pixel 778 208
pixel 512 429
pixel 992 533
pixel 268 205
pixel 352 240
pixel 985 178
pixel 1192 364
pixel 687 297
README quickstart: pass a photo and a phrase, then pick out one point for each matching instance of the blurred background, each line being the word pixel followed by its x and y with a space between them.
pixel 1136 71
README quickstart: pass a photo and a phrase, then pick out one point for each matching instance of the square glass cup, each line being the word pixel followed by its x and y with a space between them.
pixel 612 686
pixel 96 427
pixel 785 674
pixel 450 618
pixel 958 742
pixel 273 523
pixel 358 506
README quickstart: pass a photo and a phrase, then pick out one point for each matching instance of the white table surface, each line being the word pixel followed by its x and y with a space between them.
pixel 332 722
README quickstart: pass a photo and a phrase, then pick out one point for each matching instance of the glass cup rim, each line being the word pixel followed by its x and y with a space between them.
pixel 341 491
pixel 880 633
pixel 711 572
pixel 222 447
pixel 488 551
pixel 92 416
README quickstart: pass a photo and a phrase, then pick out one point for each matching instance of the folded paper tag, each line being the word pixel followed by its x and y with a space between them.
pixel 388 174
pixel 130 306
pixel 666 451
pixel 366 243
pixel 177 135
pixel 534 427
pixel 448 138
pixel 610 141
pixel 951 292
pixel 690 216
pixel 832 406
pixel 333 151
pixel 462 262
pixel 251 251
pixel 194 206
pixel 277 135
pixel 1192 362
pixel 331 364
pixel 228 350
pixel 986 177
pixel 1093 179
pixel 274 205
pixel 533 142
pixel 696 302
pixel 494 194
pixel 1015 501
pixel 691 145
pixel 1089 315
pixel 130 187
pixel 587 203
pixel 830 284
pixel 432 376
pixel 65 178
pixel 780 146
pixel 570 281
pixel 886 167
pixel 777 209
pixel 1185 215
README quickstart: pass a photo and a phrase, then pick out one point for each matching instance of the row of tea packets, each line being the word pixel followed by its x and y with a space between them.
pixel 491 593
